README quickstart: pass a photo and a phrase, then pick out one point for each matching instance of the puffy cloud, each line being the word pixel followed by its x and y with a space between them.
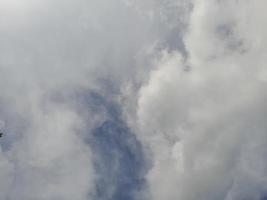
pixel 51 54
pixel 190 77
pixel 205 126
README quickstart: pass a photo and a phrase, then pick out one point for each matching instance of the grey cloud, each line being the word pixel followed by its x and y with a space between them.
pixel 50 51
pixel 205 127
pixel 202 129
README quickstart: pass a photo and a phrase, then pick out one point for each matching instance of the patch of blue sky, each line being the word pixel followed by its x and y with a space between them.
pixel 119 160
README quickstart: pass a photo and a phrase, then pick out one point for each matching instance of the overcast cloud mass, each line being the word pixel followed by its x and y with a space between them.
pixel 133 100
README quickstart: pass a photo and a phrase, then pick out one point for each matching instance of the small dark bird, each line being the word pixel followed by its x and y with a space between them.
pixel 1 134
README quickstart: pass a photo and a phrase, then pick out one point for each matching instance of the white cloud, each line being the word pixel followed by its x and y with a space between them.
pixel 192 76
pixel 215 111
pixel 52 161
pixel 49 50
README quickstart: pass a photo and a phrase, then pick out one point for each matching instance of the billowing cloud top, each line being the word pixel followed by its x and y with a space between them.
pixel 133 99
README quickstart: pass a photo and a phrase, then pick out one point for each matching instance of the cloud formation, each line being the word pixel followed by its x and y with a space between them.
pixel 188 78
pixel 206 126
pixel 51 53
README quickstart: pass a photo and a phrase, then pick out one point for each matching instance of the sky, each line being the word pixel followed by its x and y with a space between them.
pixel 133 100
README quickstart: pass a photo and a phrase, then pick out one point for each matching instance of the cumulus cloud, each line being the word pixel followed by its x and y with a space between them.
pixel 188 76
pixel 52 53
pixel 206 126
